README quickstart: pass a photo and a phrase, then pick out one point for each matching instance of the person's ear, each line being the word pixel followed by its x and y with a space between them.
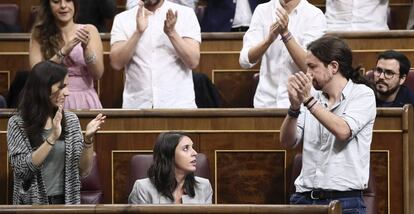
pixel 334 66
pixel 402 79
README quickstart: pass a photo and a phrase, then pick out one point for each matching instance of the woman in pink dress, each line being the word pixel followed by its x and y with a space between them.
pixel 58 38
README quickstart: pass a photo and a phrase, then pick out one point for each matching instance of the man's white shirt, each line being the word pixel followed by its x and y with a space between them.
pixel 306 23
pixel 156 77
pixel 357 15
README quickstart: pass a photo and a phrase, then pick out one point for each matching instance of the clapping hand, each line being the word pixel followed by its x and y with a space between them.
pixel 142 17
pixel 273 32
pixel 93 126
pixel 56 124
pixel 83 35
pixel 169 23
pixel 299 87
pixel 68 47
pixel 283 20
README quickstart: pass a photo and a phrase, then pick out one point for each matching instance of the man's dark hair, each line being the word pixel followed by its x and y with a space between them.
pixel 331 48
pixel 405 63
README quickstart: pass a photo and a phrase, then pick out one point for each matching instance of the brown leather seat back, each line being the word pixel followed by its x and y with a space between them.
pixel 409 82
pixel 9 14
pixel 91 188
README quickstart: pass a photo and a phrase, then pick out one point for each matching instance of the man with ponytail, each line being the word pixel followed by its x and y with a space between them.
pixel 334 125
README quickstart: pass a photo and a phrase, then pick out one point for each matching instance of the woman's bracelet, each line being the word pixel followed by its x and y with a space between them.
pixel 61 53
pixel 48 142
pixel 87 144
pixel 286 37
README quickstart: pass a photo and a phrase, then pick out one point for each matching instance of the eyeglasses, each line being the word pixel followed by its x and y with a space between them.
pixel 388 74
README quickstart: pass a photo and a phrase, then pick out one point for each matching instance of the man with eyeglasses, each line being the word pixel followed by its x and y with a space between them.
pixel 389 76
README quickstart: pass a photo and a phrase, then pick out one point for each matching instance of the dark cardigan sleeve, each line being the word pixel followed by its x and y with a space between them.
pixel 20 151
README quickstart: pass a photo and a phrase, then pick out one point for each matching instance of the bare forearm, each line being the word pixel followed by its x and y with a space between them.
pixel 40 154
pixel 94 60
pixel 335 124
pixel 188 52
pixel 257 52
pixel 297 53
pixel 288 132
pixel 85 164
pixel 121 53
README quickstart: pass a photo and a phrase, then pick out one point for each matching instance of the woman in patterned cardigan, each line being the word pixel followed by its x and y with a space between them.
pixel 46 147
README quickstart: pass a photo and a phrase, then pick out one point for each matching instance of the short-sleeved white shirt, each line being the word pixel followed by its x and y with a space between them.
pixel 155 76
pixel 352 15
pixel 306 24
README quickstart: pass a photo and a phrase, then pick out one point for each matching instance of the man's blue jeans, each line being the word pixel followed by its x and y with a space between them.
pixel 350 205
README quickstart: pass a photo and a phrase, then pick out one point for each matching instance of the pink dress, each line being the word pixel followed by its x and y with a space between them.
pixel 82 94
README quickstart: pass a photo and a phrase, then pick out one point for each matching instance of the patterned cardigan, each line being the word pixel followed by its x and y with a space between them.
pixel 29 187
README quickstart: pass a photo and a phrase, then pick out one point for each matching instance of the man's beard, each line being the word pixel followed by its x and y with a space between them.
pixel 320 83
pixel 388 92
pixel 316 85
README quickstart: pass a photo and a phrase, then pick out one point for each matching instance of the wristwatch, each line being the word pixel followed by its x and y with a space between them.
pixel 293 112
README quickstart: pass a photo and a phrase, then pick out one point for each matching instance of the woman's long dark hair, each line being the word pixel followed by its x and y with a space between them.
pixel 16 87
pixel 331 48
pixel 162 171
pixel 46 31
pixel 35 106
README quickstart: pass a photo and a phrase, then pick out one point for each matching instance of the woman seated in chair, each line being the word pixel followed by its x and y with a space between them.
pixel 171 176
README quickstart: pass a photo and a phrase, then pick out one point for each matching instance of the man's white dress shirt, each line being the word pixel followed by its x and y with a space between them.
pixel 306 23
pixel 328 163
pixel 156 77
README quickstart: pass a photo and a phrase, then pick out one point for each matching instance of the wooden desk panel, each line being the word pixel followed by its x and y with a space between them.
pixel 333 208
pixel 241 146
pixel 397 39
pixel 219 54
pixel 236 87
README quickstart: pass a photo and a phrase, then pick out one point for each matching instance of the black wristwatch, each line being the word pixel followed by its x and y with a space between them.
pixel 293 112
